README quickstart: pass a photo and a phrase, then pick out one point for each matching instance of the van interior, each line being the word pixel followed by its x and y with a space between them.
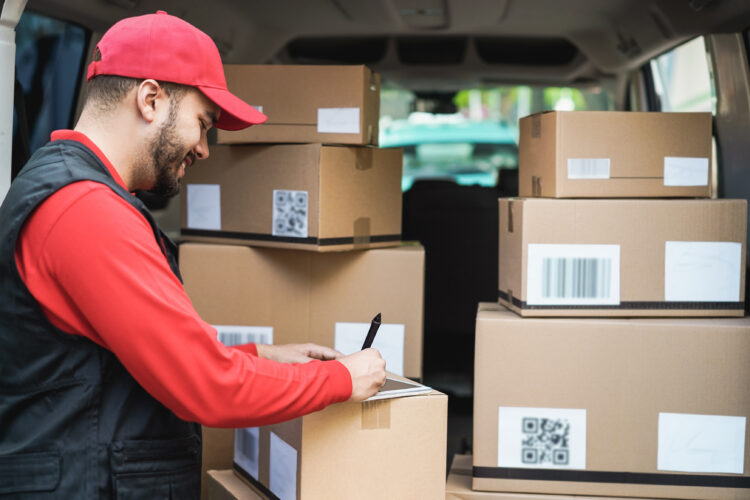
pixel 456 77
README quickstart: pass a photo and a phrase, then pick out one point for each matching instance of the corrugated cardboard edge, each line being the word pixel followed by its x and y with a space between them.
pixel 392 241
pixel 227 484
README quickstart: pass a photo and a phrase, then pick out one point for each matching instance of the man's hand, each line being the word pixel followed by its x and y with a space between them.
pixel 296 353
pixel 367 369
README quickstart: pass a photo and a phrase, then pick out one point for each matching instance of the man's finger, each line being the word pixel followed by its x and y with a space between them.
pixel 322 352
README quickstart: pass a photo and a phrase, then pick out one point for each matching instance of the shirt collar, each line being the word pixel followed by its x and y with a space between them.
pixel 74 135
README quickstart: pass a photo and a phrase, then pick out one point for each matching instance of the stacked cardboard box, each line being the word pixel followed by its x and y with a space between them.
pixel 391 448
pixel 570 402
pixel 312 184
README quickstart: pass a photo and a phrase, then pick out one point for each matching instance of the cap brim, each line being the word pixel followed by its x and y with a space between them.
pixel 236 114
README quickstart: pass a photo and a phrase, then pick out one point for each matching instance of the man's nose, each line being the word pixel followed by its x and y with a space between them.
pixel 201 150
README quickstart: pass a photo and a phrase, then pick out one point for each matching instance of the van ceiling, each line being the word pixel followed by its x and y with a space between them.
pixel 438 44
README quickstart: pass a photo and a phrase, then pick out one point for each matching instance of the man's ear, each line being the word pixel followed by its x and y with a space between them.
pixel 147 96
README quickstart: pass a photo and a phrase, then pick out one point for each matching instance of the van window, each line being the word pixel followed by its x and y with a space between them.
pixel 474 133
pixel 49 58
pixel 682 79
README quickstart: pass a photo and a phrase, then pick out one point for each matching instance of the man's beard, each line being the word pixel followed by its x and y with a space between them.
pixel 167 154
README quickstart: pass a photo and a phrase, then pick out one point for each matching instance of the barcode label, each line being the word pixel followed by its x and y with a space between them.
pixel 231 335
pixel 559 274
pixel 576 278
pixel 588 168
pixel 247 449
pixel 541 438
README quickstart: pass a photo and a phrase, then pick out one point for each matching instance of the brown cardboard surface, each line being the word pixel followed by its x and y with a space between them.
pixel 340 457
pixel 354 195
pixel 218 449
pixel 641 228
pixel 623 373
pixel 290 96
pixel 226 485
pixel 636 144
pixel 459 487
pixel 303 294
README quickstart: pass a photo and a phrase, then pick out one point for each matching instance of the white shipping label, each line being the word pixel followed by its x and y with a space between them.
pixel 683 171
pixel 247 449
pixel 259 108
pixel 389 341
pixel 702 271
pixel 338 120
pixel 204 206
pixel 282 469
pixel 588 168
pixel 290 213
pixel 559 274
pixel 701 443
pixel 230 335
pixel 541 438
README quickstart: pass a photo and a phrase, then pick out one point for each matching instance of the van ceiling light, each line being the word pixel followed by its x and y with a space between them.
pixel 423 14
pixel 125 4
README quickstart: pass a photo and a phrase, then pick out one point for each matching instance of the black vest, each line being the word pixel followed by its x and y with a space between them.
pixel 73 422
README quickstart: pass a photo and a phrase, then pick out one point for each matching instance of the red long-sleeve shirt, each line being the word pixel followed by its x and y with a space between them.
pixel 91 261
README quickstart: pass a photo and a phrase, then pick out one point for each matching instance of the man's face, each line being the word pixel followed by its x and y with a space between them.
pixel 180 140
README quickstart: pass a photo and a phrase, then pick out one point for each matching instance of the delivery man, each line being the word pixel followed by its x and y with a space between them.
pixel 104 364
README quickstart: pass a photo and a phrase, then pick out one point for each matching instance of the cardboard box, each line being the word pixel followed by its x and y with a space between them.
pixel 391 448
pixel 615 154
pixel 226 485
pixel 622 257
pixel 630 407
pixel 287 296
pixel 328 104
pixel 303 196
pixel 459 487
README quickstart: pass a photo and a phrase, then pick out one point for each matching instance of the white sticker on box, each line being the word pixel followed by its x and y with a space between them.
pixel 702 271
pixel 338 120
pixel 247 449
pixel 290 213
pixel 389 341
pixel 683 171
pixel 204 206
pixel 588 168
pixel 259 108
pixel 282 469
pixel 541 438
pixel 230 335
pixel 561 274
pixel 701 443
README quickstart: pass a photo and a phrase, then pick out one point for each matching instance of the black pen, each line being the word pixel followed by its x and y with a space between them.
pixel 373 330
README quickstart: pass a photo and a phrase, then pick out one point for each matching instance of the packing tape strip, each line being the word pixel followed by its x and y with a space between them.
pixel 592 476
pixel 362 235
pixel 696 306
pixel 376 414
pixel 363 156
pixel 536 126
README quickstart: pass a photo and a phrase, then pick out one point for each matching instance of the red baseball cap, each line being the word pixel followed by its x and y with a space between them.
pixel 166 48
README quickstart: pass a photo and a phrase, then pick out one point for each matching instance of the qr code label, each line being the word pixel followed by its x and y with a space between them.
pixel 545 441
pixel 542 437
pixel 290 213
